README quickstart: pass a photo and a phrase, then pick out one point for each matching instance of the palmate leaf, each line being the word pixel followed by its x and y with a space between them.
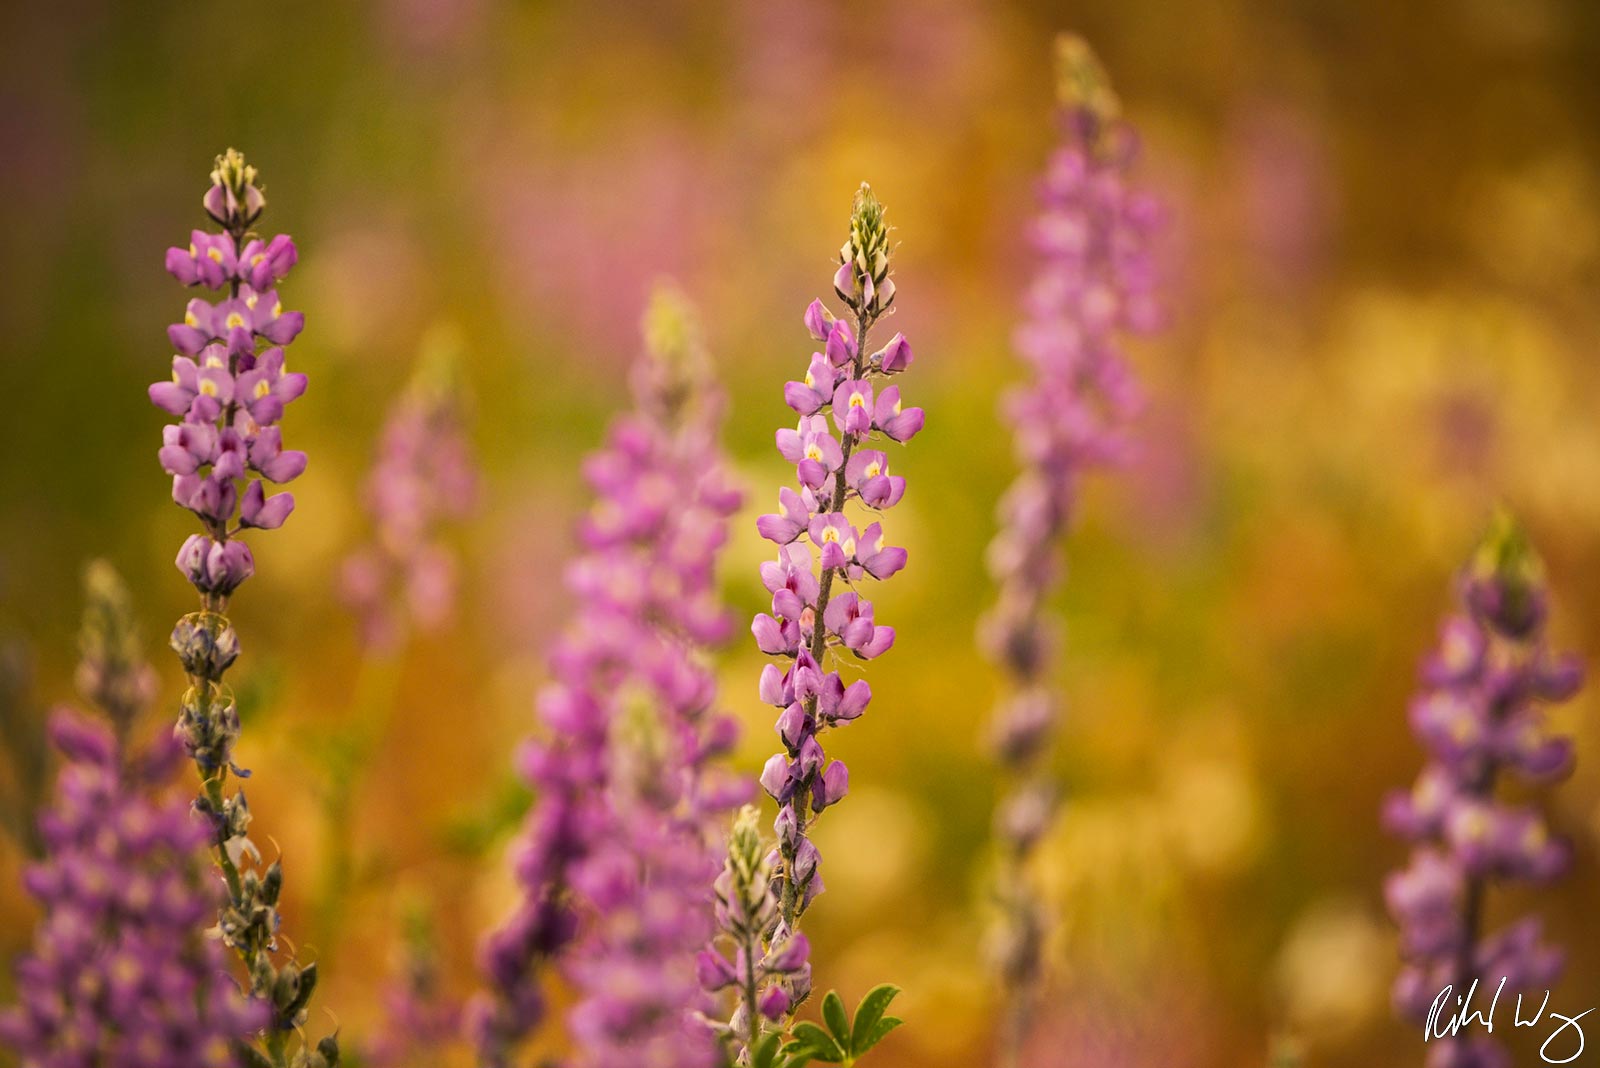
pixel 869 1015
pixel 848 1040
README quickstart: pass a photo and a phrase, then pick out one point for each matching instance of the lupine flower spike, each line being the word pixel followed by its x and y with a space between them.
pixel 616 857
pixel 401 580
pixel 1093 285
pixel 229 388
pixel 1479 715
pixel 420 1019
pixel 121 972
pixel 424 478
pixel 847 408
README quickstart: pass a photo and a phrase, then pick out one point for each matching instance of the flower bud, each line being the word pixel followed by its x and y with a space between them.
pixel 233 199
pixel 1504 583
pixel 205 643
pixel 215 567
pixel 774 1003
pixel 862 278
pixel 272 884
pixel 712 970
pixel 787 826
pixel 787 956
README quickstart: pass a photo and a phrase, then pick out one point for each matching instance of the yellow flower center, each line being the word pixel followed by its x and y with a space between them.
pixel 277 308
pixel 124 969
pixel 255 261
pixel 235 319
pixel 813 452
pixel 189 319
pixel 857 401
pixel 215 254
pixel 1463 730
pixel 874 469
pixel 262 389
pixel 208 387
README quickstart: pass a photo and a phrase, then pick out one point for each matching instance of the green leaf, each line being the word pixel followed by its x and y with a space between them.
pixel 794 1055
pixel 765 1053
pixel 818 1042
pixel 875 1035
pixel 833 1013
pixel 868 1013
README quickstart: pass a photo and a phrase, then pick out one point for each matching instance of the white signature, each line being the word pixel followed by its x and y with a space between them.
pixel 1441 1026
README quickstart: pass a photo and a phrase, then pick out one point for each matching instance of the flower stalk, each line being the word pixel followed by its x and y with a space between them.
pixel 846 407
pixel 1094 285
pixel 616 855
pixel 1480 716
pixel 228 390
pixel 121 971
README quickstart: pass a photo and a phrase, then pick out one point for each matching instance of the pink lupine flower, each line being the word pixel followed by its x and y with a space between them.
pixel 1093 286
pixel 423 480
pixel 615 858
pixel 229 392
pixel 810 619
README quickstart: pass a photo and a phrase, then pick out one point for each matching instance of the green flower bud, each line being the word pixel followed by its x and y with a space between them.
pixel 1082 84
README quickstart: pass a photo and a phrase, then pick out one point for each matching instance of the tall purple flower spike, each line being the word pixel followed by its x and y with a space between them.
pixel 420 1018
pixel 121 971
pixel 847 408
pixel 1095 284
pixel 1479 715
pixel 615 861
pixel 229 388
pixel 423 478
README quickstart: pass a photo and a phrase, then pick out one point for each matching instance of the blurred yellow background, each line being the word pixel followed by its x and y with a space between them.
pixel 1383 276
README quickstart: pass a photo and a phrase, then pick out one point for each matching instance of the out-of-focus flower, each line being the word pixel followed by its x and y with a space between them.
pixel 1329 969
pixel 616 856
pixel 423 479
pixel 1095 283
pixel 112 671
pixel 1479 716
pixel 121 971
pixel 420 1018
